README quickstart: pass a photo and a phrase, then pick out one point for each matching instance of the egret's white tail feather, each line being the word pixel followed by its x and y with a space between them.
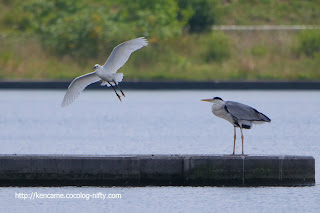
pixel 117 77
pixel 103 83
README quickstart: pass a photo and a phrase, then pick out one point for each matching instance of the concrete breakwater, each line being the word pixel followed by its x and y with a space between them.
pixel 157 170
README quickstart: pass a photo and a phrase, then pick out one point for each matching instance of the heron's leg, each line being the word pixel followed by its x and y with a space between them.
pixel 119 89
pixel 115 91
pixel 241 138
pixel 234 140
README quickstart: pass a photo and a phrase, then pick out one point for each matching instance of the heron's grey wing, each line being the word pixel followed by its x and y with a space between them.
pixel 77 86
pixel 121 53
pixel 244 112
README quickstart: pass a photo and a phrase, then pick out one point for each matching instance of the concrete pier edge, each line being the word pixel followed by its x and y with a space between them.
pixel 156 170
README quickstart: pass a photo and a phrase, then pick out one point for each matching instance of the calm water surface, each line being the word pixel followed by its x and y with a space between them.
pixel 159 122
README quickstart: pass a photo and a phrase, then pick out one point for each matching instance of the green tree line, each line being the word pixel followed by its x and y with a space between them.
pixel 182 45
pixel 71 27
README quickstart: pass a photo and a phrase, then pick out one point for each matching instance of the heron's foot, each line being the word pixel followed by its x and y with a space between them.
pixel 119 97
pixel 123 94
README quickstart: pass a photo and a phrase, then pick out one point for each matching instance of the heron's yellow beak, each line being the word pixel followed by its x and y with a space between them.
pixel 208 100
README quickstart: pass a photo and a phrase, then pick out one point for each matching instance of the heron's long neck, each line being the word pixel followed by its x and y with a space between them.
pixel 217 107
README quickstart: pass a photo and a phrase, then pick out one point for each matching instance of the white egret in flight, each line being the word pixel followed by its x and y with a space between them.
pixel 106 73
pixel 239 115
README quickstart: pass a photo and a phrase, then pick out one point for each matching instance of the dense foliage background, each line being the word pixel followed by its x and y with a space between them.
pixel 58 39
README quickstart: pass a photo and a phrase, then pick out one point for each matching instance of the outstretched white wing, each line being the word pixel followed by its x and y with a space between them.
pixel 121 53
pixel 77 86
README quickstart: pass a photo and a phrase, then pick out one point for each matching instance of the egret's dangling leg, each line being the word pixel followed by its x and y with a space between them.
pixel 115 91
pixel 234 140
pixel 119 89
pixel 241 138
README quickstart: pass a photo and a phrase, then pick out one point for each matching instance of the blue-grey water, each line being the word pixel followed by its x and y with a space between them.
pixel 159 122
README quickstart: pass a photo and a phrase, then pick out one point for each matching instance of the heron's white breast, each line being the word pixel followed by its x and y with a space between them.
pixel 220 112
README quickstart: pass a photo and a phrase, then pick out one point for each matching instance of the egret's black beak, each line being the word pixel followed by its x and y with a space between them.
pixel 93 67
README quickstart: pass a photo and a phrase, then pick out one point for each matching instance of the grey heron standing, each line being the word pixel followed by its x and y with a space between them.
pixel 239 115
pixel 106 73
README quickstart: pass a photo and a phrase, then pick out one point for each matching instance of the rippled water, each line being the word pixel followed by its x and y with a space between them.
pixel 160 122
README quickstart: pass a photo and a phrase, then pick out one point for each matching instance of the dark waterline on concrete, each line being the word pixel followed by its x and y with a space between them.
pixel 172 85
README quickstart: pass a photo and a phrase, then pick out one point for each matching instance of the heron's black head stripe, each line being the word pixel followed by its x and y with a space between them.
pixel 217 98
